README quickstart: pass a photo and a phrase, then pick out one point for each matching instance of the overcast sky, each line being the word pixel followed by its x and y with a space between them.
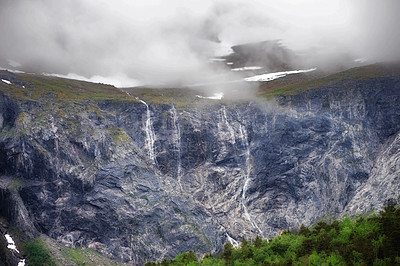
pixel 158 41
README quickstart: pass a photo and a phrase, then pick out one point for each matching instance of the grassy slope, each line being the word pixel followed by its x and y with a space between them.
pixel 179 97
pixel 62 255
pixel 65 100
pixel 44 250
pixel 66 92
pixel 45 89
pixel 295 84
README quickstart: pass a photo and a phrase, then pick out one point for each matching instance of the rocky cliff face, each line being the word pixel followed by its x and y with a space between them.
pixel 140 180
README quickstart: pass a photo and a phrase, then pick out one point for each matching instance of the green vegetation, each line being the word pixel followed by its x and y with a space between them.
pixel 16 183
pixel 179 97
pixel 360 241
pixel 80 256
pixel 75 255
pixel 37 253
pixel 118 135
pixel 44 89
pixel 46 251
pixel 55 92
pixel 296 84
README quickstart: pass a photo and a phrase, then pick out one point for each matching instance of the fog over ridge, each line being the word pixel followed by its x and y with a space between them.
pixel 170 42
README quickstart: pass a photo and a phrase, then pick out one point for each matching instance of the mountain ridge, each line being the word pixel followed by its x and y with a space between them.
pixel 221 168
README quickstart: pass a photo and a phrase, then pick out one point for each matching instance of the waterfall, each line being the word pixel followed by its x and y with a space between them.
pixel 178 148
pixel 228 125
pixel 244 138
pixel 150 135
pixel 232 241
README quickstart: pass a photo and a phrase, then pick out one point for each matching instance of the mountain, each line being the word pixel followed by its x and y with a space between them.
pixel 144 174
pixel 273 56
pixel 270 55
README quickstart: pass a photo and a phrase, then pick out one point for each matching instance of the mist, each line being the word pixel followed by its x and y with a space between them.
pixel 170 43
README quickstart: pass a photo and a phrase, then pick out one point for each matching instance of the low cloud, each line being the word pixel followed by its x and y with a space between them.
pixel 169 43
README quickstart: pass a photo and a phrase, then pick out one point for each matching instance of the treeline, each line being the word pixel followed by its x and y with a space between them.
pixel 360 241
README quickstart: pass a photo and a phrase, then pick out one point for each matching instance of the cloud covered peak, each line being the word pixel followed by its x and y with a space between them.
pixel 171 42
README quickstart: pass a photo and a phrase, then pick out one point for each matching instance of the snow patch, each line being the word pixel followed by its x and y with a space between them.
pixel 21 263
pixel 229 63
pixel 11 244
pixel 247 68
pixel 360 60
pixel 6 81
pixel 216 96
pixel 276 75
pixel 217 59
pixel 12 70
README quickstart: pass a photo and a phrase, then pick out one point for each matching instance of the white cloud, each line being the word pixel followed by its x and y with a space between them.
pixel 170 42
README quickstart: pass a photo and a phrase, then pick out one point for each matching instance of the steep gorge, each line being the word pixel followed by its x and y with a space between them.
pixel 139 179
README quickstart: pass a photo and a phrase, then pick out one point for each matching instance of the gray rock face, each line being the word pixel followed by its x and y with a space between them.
pixel 237 169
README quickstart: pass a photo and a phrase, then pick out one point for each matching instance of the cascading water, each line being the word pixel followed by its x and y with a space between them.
pixel 150 135
pixel 232 241
pixel 244 138
pixel 228 125
pixel 178 148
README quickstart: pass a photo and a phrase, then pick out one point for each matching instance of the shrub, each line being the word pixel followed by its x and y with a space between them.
pixel 37 253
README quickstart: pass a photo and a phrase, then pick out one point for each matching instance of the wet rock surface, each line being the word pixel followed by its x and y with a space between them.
pixel 87 176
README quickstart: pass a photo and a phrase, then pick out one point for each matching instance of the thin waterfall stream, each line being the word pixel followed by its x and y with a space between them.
pixel 178 148
pixel 244 138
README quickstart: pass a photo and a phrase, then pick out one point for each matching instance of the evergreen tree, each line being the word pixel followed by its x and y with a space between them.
pixel 304 230
pixel 244 243
pixel 257 242
pixel 358 241
pixel 227 252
